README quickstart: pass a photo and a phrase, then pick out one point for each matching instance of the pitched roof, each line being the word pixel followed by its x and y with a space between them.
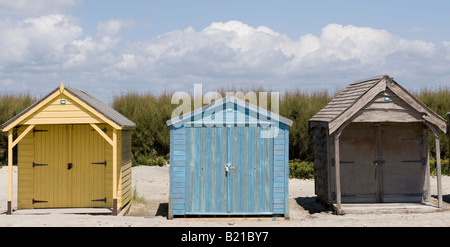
pixel 345 99
pixel 202 113
pixel 359 93
pixel 101 107
pixel 87 98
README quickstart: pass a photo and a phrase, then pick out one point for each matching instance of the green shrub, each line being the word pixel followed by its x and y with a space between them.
pixel 444 166
pixel 301 169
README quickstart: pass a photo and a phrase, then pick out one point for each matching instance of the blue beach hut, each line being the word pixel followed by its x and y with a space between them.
pixel 229 158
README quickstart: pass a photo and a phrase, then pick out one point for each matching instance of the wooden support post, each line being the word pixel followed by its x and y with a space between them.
pixel 114 173
pixel 438 169
pixel 10 171
pixel 448 133
pixel 337 167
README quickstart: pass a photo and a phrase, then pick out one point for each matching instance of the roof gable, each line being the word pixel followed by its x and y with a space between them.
pixel 68 105
pixel 229 110
pixel 346 106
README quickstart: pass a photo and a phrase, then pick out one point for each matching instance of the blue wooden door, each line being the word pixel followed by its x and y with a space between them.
pixel 230 171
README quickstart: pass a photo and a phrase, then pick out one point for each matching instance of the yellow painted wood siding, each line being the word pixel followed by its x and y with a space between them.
pixel 25 159
pixel 126 167
pixel 55 112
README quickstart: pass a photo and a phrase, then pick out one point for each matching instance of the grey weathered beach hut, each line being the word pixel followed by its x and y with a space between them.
pixel 371 145
pixel 229 158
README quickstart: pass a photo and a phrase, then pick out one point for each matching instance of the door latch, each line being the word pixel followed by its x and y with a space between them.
pixel 227 168
pixel 378 162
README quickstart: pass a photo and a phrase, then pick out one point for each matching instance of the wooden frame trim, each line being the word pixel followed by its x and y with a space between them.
pixel 19 138
pixel 10 171
pixel 92 110
pixel 357 106
pixel 114 173
pixel 11 145
pixel 337 169
pixel 102 134
pixel 32 110
pixel 429 116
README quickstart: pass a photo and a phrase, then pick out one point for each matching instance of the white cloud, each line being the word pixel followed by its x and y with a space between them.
pixel 37 41
pixel 35 7
pixel 54 48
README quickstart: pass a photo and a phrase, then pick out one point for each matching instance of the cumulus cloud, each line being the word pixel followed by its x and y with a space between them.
pixel 224 53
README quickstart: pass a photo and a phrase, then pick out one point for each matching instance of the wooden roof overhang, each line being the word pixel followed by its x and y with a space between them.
pixel 345 106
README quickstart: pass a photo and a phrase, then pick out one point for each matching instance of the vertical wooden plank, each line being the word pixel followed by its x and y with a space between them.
pixel 257 151
pixel 230 172
pixel 244 169
pixel 438 168
pixel 192 175
pixel 213 169
pixel 207 169
pixel 187 198
pixel 271 173
pixel 251 152
pixel 171 168
pixel 219 179
pixel 426 154
pixel 261 170
pixel 267 182
pixel 240 170
pixel 286 171
pixel 337 166
pixel 223 163
pixel 10 171
pixel 235 169
pixel 114 177
pixel 197 168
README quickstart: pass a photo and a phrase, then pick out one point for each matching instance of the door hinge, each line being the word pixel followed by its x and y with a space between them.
pixel 99 163
pixel 413 139
pixel 104 129
pixel 38 201
pixel 422 161
pixel 35 130
pixel 36 164
pixel 99 200
pixel 333 162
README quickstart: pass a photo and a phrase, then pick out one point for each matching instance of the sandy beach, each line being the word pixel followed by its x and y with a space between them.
pixel 152 183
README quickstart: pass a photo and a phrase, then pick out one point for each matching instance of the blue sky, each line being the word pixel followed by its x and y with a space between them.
pixel 107 47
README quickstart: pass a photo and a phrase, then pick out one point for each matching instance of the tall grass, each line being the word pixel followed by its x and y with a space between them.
pixel 11 105
pixel 438 100
pixel 150 111
pixel 151 139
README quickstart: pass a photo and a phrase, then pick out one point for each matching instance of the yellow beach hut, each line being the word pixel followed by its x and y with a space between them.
pixel 73 151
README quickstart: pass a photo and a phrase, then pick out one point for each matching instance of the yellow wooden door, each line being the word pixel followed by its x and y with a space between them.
pixel 52 181
pixel 69 167
pixel 89 163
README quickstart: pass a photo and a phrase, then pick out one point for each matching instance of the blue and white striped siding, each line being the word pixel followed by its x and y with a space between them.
pixel 257 184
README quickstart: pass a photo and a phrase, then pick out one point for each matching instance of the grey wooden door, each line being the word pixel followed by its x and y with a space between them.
pixel 382 163
pixel 358 173
pixel 404 164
